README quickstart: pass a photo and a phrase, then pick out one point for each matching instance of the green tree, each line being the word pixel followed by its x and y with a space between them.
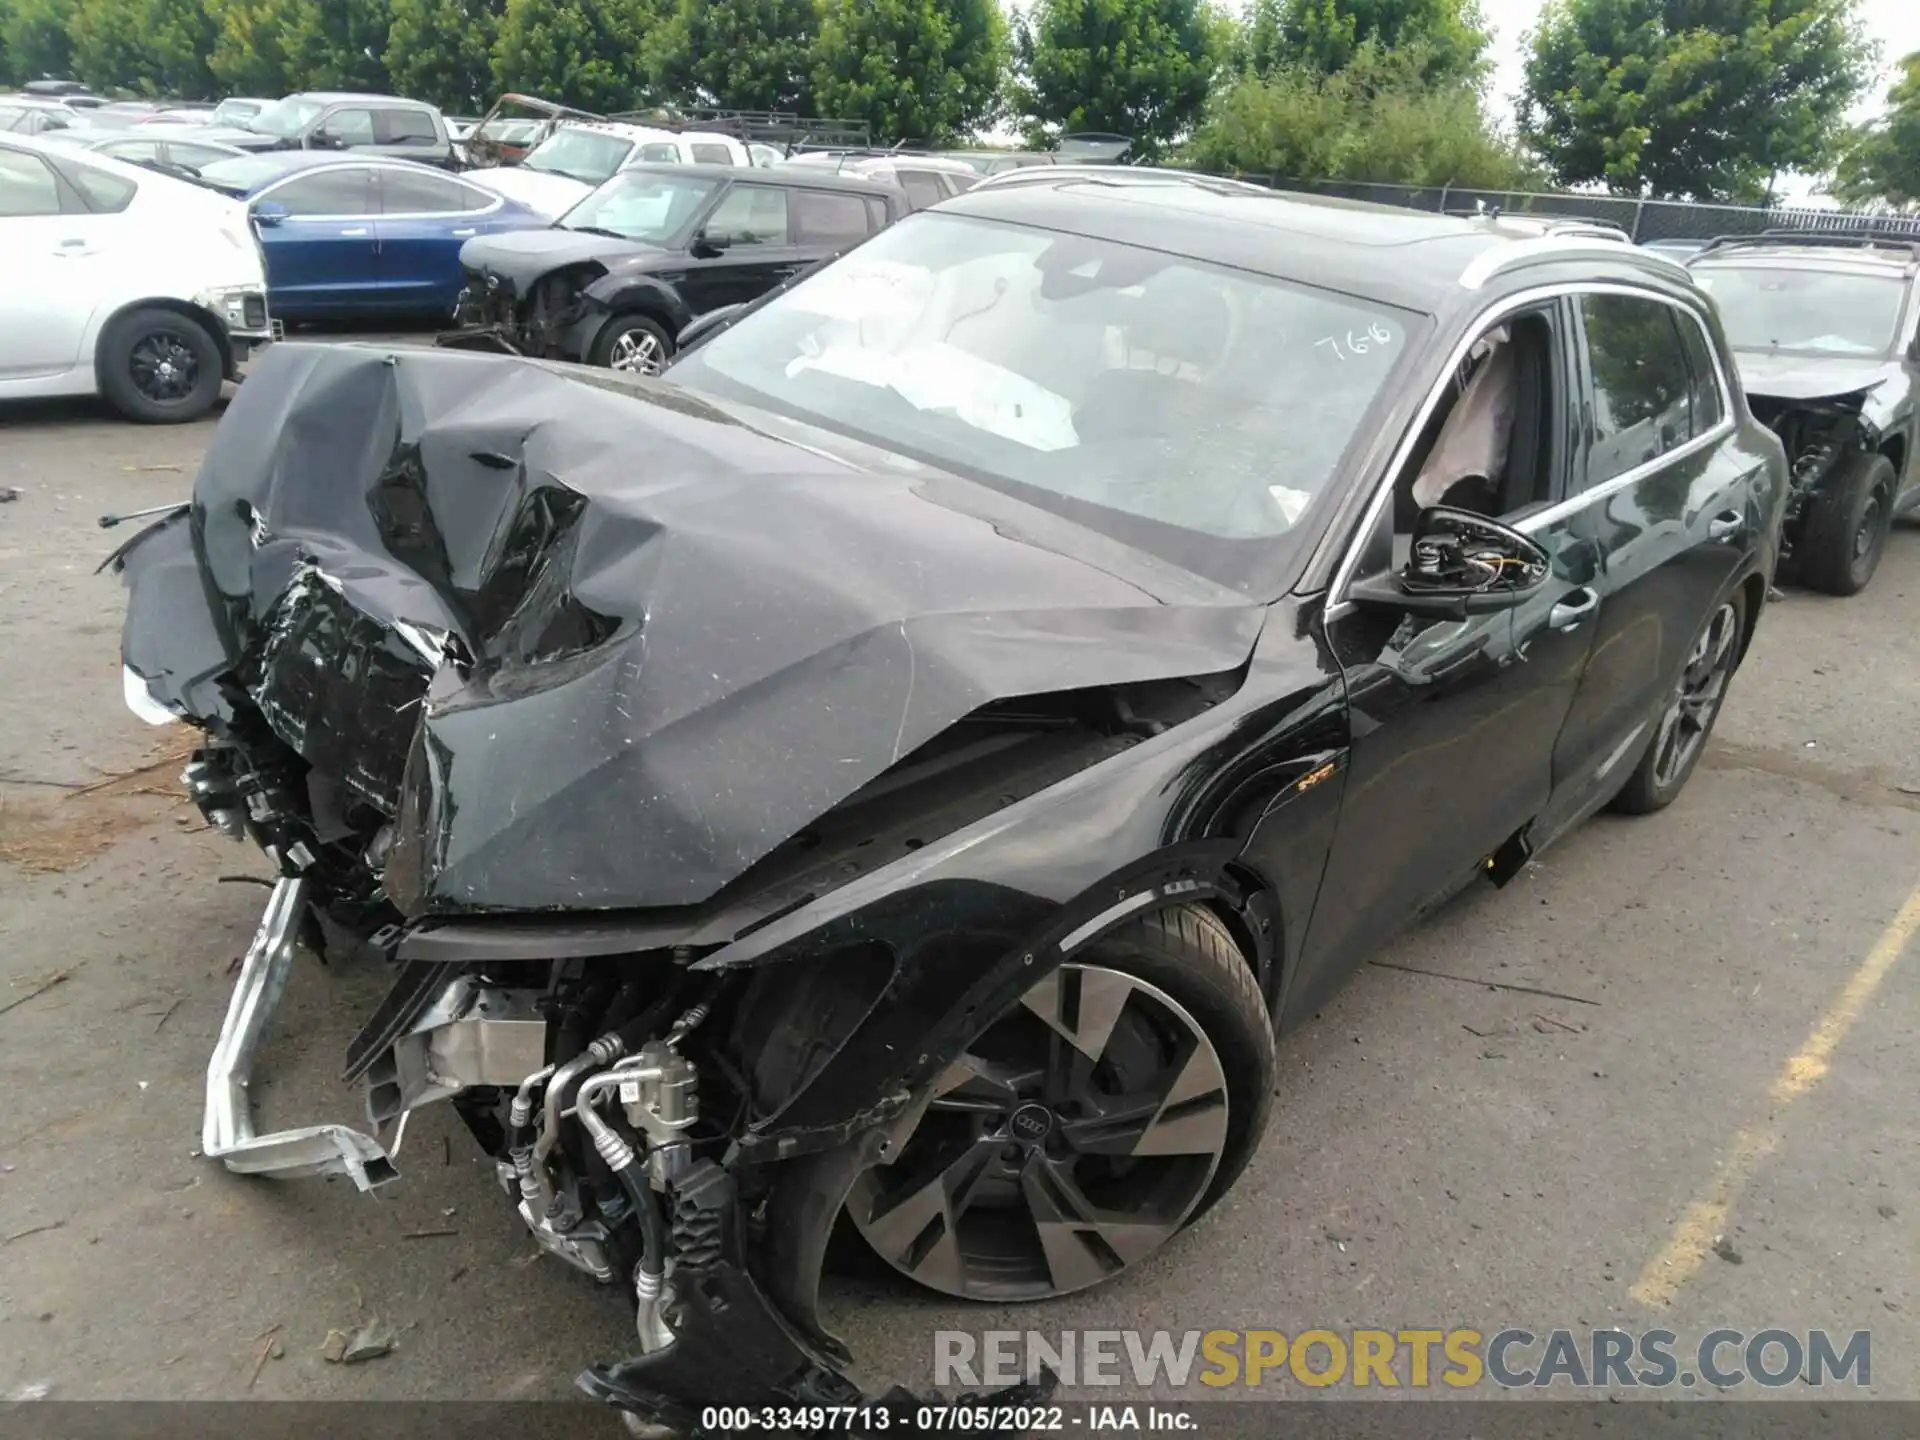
pixel 35 38
pixel 927 70
pixel 1328 33
pixel 1707 99
pixel 1258 47
pixel 154 47
pixel 584 52
pixel 442 51
pixel 1141 68
pixel 744 54
pixel 1883 160
pixel 272 47
pixel 1378 119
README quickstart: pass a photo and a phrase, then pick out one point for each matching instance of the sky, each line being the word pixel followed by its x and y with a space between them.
pixel 1894 23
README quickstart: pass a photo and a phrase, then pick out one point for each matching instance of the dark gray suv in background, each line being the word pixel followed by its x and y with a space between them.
pixel 1824 331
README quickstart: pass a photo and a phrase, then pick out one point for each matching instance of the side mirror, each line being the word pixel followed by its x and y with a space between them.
pixel 268 212
pixel 325 140
pixel 1461 564
pixel 705 245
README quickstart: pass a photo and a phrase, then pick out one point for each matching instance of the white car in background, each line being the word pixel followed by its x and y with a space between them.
pixel 123 283
pixel 582 155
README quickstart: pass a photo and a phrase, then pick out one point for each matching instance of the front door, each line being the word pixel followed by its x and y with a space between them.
pixel 323 250
pixel 1453 722
pixel 752 226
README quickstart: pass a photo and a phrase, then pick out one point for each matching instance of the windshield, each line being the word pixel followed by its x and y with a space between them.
pixel 285 118
pixel 1813 310
pixel 638 205
pixel 580 154
pixel 1186 408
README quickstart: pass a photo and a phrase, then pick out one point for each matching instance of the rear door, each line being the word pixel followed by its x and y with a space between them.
pixel 323 255
pixel 48 279
pixel 425 217
pixel 1675 507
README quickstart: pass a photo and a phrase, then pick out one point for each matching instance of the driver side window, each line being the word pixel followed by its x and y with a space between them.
pixel 1496 443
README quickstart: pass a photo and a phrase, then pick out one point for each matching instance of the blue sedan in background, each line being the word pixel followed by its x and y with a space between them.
pixel 351 236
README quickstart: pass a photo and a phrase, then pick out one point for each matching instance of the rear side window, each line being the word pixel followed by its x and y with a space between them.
pixel 922 187
pixel 1642 387
pixel 1709 408
pixel 27 186
pixel 346 191
pixel 660 153
pixel 405 127
pixel 959 184
pixel 712 154
pixel 404 192
pixel 105 192
pixel 824 218
pixel 876 216
pixel 132 150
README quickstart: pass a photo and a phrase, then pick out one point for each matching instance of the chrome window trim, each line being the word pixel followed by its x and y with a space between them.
pixel 374 169
pixel 1343 573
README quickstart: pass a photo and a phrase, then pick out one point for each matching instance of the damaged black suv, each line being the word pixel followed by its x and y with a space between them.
pixel 1826 331
pixel 909 761
pixel 615 280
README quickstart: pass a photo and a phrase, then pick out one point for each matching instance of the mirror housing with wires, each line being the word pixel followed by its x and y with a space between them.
pixel 1461 564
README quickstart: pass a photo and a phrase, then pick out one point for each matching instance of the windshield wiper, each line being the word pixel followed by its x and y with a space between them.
pixel 596 230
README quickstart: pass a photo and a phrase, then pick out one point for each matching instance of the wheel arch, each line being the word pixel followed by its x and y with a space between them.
pixel 201 316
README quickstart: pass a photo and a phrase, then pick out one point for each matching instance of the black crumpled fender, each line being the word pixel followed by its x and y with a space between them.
pixel 617 294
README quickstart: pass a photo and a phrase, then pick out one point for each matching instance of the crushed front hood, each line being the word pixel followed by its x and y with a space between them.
pixel 1802 377
pixel 520 257
pixel 675 639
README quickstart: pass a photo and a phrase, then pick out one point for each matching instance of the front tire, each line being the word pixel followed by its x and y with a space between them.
pixel 1847 526
pixel 634 345
pixel 160 367
pixel 1686 720
pixel 1101 1113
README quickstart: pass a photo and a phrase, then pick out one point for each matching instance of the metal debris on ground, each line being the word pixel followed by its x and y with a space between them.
pixel 9 494
pixel 369 1342
pixel 1723 1247
pixel 59 977
pixel 271 1348
pixel 32 1230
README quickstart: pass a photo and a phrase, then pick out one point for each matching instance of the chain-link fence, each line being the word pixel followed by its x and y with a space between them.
pixel 1643 220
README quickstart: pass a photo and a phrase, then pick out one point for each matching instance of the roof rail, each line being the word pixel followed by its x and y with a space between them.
pixel 1122 175
pixel 1543 249
pixel 1818 239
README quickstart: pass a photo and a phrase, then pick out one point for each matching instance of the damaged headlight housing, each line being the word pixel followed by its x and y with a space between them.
pixel 243 307
pixel 142 702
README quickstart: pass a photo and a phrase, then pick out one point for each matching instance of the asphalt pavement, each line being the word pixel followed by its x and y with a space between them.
pixel 1667 1077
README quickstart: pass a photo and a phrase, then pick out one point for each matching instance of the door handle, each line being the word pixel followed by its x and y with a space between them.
pixel 72 250
pixel 1727 525
pixel 464 233
pixel 355 233
pixel 1572 612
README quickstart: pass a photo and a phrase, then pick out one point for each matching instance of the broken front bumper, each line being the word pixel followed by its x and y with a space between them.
pixel 227 1132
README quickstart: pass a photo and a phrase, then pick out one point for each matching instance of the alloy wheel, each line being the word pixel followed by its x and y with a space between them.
pixel 1072 1139
pixel 164 368
pixel 638 352
pixel 1696 699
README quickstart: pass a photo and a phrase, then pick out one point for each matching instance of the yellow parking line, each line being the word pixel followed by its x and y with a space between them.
pixel 1706 1217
